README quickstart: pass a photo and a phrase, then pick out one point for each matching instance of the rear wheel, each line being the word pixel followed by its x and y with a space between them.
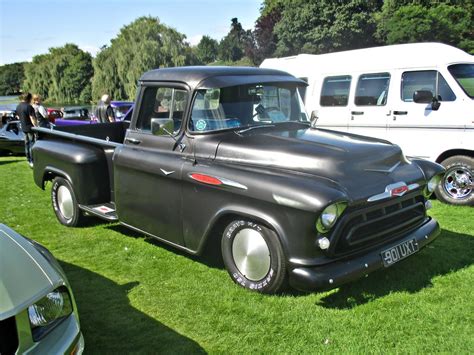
pixel 65 204
pixel 456 187
pixel 254 257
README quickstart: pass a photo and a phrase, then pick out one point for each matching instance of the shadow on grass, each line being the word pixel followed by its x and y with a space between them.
pixel 10 161
pixel 211 257
pixel 111 325
pixel 448 253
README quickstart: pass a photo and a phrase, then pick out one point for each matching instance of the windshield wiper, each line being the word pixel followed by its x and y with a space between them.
pixel 253 127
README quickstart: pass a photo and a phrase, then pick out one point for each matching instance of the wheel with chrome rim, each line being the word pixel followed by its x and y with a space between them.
pixel 253 256
pixel 457 185
pixel 64 203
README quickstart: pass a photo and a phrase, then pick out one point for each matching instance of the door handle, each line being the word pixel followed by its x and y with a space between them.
pixel 356 113
pixel 400 113
pixel 133 140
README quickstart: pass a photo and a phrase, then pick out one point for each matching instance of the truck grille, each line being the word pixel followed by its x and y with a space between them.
pixel 8 336
pixel 378 224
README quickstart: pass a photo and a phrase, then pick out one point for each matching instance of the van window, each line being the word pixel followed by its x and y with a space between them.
pixel 335 91
pixel 425 80
pixel 464 75
pixel 372 89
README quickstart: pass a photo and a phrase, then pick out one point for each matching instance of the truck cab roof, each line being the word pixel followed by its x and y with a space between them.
pixel 205 77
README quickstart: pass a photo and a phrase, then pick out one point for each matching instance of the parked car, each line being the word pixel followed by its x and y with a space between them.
pixel 11 138
pixel 53 114
pixel 38 313
pixel 7 116
pixel 229 153
pixel 73 116
pixel 419 96
pixel 120 109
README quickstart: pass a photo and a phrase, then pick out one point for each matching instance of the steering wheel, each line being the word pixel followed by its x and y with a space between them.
pixel 268 109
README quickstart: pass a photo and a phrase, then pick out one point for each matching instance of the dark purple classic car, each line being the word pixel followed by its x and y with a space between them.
pixel 73 116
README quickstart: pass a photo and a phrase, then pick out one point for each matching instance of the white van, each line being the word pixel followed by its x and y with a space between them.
pixel 419 96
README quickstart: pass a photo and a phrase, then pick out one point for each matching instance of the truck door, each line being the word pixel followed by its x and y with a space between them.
pixel 417 128
pixel 149 166
pixel 368 108
pixel 332 111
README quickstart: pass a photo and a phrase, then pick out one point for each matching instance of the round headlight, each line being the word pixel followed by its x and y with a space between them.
pixel 329 216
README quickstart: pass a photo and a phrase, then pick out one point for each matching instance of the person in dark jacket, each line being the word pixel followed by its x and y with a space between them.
pixel 104 111
pixel 26 114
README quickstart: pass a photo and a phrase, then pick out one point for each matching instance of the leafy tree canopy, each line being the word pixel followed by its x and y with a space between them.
pixel 11 77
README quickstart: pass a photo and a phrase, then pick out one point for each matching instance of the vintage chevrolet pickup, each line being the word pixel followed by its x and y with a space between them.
pixel 226 156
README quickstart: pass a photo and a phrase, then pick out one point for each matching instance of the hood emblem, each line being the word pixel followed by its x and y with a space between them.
pixel 394 190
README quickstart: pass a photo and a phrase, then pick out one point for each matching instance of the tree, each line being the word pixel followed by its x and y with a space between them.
pixel 144 44
pixel 422 21
pixel 321 26
pixel 63 75
pixel 265 37
pixel 11 78
pixel 231 46
pixel 206 50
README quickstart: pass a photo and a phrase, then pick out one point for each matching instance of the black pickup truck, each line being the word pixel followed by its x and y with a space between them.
pixel 229 153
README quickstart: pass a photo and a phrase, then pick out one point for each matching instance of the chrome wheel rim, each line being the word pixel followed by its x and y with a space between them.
pixel 65 203
pixel 458 182
pixel 251 254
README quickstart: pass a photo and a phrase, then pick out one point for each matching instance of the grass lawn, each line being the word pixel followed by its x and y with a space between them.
pixel 137 295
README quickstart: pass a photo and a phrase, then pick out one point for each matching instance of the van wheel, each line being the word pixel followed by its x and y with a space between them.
pixel 64 203
pixel 457 187
pixel 254 257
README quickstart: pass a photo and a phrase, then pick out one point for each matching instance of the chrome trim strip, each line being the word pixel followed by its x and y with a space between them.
pixel 225 181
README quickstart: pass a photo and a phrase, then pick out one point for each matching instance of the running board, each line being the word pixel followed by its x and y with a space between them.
pixel 102 210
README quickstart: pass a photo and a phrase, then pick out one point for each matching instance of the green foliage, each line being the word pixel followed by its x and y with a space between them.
pixel 413 21
pixel 206 50
pixel 63 75
pixel 231 47
pixel 11 78
pixel 321 26
pixel 143 45
pixel 137 295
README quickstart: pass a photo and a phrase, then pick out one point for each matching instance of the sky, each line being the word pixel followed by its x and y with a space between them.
pixel 30 27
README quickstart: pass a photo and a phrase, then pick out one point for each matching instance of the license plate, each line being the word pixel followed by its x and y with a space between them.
pixel 399 252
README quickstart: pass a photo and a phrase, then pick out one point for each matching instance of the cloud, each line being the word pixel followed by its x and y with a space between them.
pixel 194 40
pixel 93 50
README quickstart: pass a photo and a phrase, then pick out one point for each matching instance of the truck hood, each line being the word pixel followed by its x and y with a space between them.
pixel 361 166
pixel 25 274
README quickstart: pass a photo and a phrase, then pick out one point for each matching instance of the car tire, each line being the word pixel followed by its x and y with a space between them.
pixel 454 187
pixel 65 204
pixel 254 257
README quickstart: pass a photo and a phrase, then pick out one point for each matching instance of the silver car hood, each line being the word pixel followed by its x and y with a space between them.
pixel 25 274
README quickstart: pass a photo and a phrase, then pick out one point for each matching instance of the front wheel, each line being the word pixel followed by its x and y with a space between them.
pixel 65 204
pixel 456 187
pixel 254 257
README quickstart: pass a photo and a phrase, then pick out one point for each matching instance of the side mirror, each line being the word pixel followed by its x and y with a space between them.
pixel 314 118
pixel 422 97
pixel 162 126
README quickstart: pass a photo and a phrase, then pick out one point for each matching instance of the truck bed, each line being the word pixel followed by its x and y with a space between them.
pixel 83 155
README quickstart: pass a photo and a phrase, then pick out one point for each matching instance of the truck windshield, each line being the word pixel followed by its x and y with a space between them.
pixel 246 106
pixel 464 75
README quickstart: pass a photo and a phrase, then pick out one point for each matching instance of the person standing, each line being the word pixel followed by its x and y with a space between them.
pixel 104 111
pixel 40 112
pixel 26 114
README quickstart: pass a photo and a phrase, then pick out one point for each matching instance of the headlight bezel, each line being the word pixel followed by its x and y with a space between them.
pixel 431 185
pixel 329 216
pixel 51 318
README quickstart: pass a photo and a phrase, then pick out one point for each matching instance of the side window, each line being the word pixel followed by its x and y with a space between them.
pixel 335 91
pixel 372 89
pixel 429 80
pixel 162 102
